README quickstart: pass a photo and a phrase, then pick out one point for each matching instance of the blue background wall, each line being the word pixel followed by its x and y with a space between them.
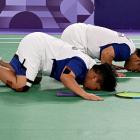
pixel 118 14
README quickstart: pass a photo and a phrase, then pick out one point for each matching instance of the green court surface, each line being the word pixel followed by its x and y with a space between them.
pixel 40 115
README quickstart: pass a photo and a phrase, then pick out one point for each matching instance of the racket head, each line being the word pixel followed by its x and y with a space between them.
pixel 130 95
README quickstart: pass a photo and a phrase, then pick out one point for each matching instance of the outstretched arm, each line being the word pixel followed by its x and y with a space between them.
pixel 68 79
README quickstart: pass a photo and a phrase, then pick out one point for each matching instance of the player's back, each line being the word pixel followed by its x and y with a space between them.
pixel 40 49
pixel 99 36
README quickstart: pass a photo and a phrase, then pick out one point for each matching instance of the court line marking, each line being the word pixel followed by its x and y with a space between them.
pixel 14 38
pixel 9 42
pixel 19 41
pixel 23 36
pixel 135 39
pixel 6 38
pixel 127 77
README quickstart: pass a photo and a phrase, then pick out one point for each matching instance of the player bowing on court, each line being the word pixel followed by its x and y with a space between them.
pixel 41 53
pixel 104 44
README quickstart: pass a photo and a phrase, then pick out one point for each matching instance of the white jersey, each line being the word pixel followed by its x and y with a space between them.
pixel 89 38
pixel 37 51
pixel 75 34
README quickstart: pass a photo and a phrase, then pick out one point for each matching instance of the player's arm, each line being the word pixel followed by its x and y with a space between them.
pixel 107 55
pixel 68 79
pixel 118 67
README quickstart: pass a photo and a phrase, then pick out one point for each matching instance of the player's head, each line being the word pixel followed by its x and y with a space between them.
pixel 133 63
pixel 100 77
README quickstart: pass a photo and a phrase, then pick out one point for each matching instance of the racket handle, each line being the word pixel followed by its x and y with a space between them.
pixel 65 94
pixel 136 97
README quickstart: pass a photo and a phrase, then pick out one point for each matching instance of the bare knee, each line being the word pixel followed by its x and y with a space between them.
pixel 22 89
pixel 19 84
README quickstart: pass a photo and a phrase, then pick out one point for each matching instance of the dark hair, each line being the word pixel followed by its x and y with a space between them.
pixel 128 61
pixel 137 52
pixel 108 82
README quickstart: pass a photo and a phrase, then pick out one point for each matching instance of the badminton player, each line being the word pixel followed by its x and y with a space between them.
pixel 104 44
pixel 41 53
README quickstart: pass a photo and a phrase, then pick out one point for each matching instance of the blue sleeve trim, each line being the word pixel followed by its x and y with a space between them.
pixel 17 66
pixel 122 51
pixel 77 65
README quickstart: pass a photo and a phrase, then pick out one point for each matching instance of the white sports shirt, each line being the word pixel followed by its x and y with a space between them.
pixel 37 51
pixel 89 38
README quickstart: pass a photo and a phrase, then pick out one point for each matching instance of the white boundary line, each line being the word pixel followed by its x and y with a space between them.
pixel 135 39
pixel 9 42
pixel 127 77
pixel 10 38
pixel 14 38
